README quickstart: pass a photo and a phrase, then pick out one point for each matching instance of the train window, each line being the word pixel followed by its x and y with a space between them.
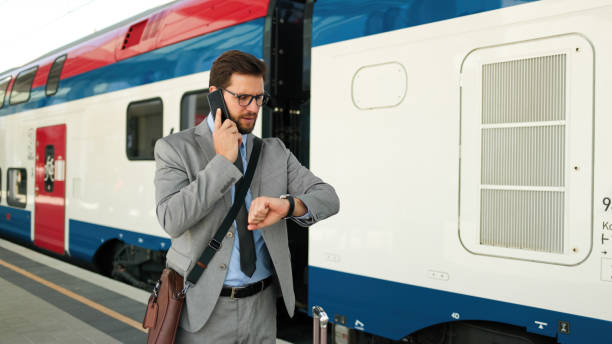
pixel 50 167
pixel 3 85
pixel 22 87
pixel 54 76
pixel 144 127
pixel 16 187
pixel 194 108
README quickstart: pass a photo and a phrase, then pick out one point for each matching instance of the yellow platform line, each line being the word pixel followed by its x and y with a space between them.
pixel 77 297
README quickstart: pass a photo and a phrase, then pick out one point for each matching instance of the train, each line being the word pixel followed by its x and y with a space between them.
pixel 466 139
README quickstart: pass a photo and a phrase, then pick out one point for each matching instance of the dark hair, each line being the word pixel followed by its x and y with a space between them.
pixel 234 61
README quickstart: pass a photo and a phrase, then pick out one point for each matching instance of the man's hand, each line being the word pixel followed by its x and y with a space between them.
pixel 266 211
pixel 226 138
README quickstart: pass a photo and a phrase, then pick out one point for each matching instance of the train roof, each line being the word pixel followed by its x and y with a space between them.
pixel 150 30
pixel 67 47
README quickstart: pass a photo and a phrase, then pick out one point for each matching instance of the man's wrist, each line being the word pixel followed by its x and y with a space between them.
pixel 291 204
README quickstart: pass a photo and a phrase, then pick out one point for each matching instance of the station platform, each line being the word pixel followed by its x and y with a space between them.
pixel 45 300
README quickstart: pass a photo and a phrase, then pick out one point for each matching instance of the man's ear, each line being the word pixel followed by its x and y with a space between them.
pixel 212 89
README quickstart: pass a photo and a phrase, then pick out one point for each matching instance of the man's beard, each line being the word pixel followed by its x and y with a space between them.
pixel 242 130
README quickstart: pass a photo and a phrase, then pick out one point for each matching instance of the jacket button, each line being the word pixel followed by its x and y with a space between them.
pixel 222 266
pixel 230 234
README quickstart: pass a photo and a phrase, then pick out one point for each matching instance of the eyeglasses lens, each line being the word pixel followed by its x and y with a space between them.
pixel 246 99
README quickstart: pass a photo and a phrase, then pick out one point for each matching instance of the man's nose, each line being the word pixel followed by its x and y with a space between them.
pixel 253 107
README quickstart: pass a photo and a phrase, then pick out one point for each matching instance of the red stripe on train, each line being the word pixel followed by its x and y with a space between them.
pixel 176 23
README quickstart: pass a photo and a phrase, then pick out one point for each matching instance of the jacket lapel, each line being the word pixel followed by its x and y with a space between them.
pixel 204 138
pixel 256 182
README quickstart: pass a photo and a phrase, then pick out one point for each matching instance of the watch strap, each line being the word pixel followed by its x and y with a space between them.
pixel 291 205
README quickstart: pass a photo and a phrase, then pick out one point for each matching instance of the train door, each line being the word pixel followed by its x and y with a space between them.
pixel 50 195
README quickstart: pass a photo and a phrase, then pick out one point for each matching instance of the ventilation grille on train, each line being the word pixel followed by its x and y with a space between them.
pixel 134 34
pixel 523 154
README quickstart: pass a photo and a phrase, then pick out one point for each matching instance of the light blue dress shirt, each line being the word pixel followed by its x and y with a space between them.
pixel 263 266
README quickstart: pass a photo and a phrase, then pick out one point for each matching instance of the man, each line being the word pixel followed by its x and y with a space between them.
pixel 234 300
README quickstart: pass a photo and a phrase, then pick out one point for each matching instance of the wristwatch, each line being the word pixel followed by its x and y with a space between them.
pixel 291 205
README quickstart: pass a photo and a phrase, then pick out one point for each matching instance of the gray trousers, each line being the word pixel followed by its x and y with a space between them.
pixel 250 320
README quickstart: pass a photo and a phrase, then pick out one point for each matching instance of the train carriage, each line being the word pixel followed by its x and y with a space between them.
pixel 466 139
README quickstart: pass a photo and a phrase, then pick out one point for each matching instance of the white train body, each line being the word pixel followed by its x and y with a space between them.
pixel 409 152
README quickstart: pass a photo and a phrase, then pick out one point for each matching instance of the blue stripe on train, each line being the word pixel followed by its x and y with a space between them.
pixel 16 223
pixel 184 58
pixel 340 20
pixel 85 238
pixel 394 310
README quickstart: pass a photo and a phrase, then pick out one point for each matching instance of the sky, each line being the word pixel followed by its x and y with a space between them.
pixel 32 28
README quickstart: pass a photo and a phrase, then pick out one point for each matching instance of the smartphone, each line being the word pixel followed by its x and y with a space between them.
pixel 215 100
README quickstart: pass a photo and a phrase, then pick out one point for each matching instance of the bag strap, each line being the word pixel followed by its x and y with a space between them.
pixel 242 187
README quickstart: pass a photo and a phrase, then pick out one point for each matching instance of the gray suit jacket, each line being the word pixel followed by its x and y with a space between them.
pixel 192 191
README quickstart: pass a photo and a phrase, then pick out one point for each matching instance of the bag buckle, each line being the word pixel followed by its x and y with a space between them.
pixel 214 244
pixel 187 286
pixel 156 289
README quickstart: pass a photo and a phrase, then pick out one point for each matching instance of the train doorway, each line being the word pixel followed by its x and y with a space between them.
pixel 50 188
pixel 287 116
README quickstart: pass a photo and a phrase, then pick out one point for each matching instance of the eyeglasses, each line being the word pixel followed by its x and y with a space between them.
pixel 245 100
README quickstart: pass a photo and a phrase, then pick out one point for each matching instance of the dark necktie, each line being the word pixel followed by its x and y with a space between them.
pixel 245 236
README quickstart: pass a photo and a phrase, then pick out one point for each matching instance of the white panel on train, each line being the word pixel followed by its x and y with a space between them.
pixel 526 150
pixel 379 86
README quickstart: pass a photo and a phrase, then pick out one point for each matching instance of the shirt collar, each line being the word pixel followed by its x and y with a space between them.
pixel 211 124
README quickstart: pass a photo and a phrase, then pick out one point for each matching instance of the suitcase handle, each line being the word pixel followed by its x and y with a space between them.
pixel 320 321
